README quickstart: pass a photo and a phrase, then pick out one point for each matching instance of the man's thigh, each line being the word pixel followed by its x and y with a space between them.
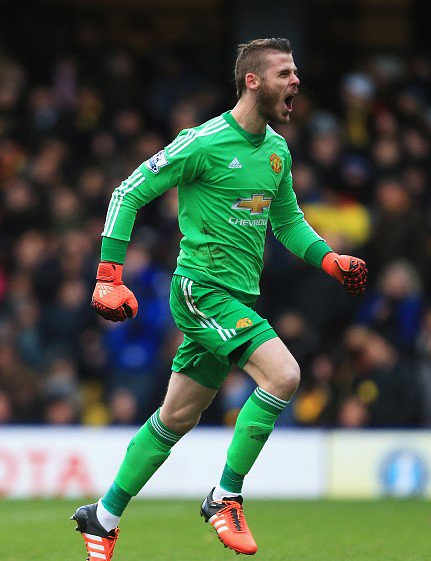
pixel 185 399
pixel 200 365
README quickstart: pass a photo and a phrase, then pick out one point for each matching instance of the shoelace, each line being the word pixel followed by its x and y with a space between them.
pixel 236 512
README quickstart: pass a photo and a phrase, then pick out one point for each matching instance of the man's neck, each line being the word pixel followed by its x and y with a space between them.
pixel 247 116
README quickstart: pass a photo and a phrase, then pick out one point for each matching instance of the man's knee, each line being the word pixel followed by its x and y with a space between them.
pixel 184 402
pixel 180 420
pixel 273 368
pixel 288 378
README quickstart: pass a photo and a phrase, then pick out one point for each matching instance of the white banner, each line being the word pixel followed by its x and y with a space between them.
pixel 78 462
pixel 82 462
pixel 366 464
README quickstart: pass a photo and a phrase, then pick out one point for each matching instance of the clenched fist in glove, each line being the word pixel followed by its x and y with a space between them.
pixel 350 271
pixel 111 297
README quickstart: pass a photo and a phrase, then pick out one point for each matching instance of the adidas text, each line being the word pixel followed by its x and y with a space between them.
pixel 105 289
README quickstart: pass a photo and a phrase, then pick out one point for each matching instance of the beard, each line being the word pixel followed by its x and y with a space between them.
pixel 267 101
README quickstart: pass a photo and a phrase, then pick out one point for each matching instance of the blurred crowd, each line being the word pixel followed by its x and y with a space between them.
pixel 361 156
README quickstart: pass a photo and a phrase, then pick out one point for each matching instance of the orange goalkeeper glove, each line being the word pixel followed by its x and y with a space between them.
pixel 111 297
pixel 350 271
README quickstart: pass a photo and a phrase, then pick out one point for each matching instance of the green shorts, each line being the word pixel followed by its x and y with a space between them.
pixel 215 325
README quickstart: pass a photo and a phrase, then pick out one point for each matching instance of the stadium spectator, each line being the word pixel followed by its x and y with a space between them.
pixel 384 381
pixel 123 407
pixel 424 352
pixel 400 230
pixel 6 408
pixel 352 413
pixel 134 347
pixel 395 307
pixel 315 401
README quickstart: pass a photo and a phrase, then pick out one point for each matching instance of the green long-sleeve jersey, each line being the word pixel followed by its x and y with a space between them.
pixel 230 183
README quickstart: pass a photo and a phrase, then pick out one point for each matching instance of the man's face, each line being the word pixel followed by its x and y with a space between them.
pixel 277 88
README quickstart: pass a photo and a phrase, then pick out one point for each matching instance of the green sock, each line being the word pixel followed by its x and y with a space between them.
pixel 116 500
pixel 254 425
pixel 147 451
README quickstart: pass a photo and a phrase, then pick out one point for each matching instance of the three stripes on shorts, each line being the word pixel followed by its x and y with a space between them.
pixel 204 320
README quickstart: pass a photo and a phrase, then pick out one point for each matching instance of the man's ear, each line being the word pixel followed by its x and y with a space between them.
pixel 252 81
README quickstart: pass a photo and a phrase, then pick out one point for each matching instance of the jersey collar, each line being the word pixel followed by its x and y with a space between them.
pixel 255 139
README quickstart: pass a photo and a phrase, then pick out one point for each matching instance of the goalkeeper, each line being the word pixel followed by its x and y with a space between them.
pixel 233 175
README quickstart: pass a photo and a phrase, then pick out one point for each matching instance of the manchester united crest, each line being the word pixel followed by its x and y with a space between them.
pixel 243 322
pixel 276 163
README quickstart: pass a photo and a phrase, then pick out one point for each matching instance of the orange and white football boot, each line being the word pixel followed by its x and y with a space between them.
pixel 99 543
pixel 228 520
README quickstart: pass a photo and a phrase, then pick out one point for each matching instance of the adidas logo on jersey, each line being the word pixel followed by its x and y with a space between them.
pixel 235 164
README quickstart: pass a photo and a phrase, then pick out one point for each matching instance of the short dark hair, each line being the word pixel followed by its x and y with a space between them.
pixel 251 58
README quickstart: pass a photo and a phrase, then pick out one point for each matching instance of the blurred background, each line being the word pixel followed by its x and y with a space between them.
pixel 89 90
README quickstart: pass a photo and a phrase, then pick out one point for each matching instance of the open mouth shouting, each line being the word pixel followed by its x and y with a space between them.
pixel 288 101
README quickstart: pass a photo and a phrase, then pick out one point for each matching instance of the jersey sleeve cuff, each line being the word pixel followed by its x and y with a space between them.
pixel 113 250
pixel 316 252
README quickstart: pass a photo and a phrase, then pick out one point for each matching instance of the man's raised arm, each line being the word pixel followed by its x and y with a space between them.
pixel 111 298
